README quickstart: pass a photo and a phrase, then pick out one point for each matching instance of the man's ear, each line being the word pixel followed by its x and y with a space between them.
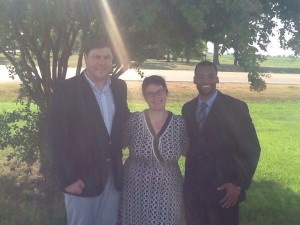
pixel 194 80
pixel 217 79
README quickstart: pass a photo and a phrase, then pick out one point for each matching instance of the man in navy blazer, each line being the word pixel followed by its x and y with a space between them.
pixel 86 116
pixel 223 155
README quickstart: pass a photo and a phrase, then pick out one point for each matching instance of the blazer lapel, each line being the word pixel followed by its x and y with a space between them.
pixel 192 115
pixel 117 98
pixel 217 112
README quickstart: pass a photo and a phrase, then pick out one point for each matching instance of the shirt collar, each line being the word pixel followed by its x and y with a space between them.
pixel 93 85
pixel 209 101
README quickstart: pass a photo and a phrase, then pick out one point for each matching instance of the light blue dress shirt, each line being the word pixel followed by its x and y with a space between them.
pixel 105 101
pixel 209 102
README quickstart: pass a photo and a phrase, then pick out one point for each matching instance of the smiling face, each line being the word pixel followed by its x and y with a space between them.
pixel 206 80
pixel 98 63
pixel 155 96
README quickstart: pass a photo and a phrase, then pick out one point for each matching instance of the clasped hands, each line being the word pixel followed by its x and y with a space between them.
pixel 232 193
pixel 75 188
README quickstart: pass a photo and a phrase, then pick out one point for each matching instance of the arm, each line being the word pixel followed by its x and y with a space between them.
pixel 186 141
pixel 246 156
pixel 125 135
pixel 248 148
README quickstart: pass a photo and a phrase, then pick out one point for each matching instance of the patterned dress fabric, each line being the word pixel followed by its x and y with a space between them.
pixel 152 189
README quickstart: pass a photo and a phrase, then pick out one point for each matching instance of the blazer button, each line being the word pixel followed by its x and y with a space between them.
pixel 108 160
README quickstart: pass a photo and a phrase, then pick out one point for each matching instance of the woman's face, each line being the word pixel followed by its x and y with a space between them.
pixel 155 96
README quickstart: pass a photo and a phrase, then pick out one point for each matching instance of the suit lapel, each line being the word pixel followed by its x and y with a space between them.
pixel 192 115
pixel 218 112
pixel 117 98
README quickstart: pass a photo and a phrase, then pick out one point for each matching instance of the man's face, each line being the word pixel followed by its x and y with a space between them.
pixel 99 63
pixel 206 79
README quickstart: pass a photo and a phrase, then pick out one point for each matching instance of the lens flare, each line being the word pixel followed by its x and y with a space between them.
pixel 114 33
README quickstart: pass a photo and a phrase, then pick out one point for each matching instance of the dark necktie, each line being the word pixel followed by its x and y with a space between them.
pixel 201 115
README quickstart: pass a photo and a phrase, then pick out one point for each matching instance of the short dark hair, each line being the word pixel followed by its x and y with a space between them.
pixel 205 63
pixel 154 79
pixel 95 41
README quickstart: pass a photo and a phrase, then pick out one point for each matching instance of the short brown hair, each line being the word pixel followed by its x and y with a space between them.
pixel 95 41
pixel 154 79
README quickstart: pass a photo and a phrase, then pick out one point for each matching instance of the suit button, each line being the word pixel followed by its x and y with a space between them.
pixel 108 160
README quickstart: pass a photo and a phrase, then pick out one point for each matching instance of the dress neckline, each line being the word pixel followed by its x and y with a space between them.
pixel 156 137
pixel 163 128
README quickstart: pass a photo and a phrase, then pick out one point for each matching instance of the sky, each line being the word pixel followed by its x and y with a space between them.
pixel 273 48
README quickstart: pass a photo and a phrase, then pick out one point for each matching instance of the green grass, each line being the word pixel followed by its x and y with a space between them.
pixel 273 197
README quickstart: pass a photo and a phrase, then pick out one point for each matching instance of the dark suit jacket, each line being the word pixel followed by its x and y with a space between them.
pixel 78 139
pixel 225 150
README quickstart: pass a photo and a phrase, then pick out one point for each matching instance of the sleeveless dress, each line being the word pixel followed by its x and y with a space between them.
pixel 152 189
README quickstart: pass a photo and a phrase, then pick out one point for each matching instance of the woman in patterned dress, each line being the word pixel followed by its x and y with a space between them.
pixel 152 190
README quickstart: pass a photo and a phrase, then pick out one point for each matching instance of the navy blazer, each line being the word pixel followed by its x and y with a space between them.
pixel 80 144
pixel 225 150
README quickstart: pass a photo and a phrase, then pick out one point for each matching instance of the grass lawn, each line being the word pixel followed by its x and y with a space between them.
pixel 273 198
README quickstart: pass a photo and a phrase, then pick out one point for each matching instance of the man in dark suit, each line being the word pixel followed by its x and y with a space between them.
pixel 86 116
pixel 223 155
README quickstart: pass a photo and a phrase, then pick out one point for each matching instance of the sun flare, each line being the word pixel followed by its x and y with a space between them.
pixel 114 33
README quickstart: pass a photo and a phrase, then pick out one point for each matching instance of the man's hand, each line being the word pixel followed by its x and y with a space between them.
pixel 231 196
pixel 76 188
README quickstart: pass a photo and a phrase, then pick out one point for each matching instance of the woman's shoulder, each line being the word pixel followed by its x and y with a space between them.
pixel 135 115
pixel 178 118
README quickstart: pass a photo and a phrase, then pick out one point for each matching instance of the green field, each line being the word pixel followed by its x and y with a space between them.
pixel 273 198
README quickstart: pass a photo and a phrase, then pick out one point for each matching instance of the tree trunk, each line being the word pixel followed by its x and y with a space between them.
pixel 236 57
pixel 235 61
pixel 168 55
pixel 79 62
pixel 187 55
pixel 216 54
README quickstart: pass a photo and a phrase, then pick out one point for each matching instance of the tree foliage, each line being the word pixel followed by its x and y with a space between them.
pixel 37 38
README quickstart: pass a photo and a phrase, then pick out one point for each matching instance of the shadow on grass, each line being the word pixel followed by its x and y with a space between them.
pixel 280 70
pixel 164 65
pixel 30 202
pixel 268 203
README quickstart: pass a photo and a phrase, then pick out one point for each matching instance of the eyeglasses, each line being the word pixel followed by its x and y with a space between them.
pixel 159 93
